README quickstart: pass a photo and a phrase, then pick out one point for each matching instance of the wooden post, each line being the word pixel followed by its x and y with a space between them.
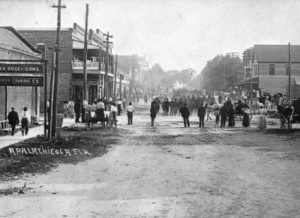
pixel 5 102
pixel 115 86
pixel 85 91
pixel 289 72
pixel 106 65
pixel 59 7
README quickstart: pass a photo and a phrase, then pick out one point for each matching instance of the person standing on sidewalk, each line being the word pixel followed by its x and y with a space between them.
pixel 185 113
pixel 13 120
pixel 130 110
pixel 25 121
pixel 201 114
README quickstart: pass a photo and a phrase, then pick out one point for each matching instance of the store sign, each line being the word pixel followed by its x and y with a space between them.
pixel 21 80
pixel 21 68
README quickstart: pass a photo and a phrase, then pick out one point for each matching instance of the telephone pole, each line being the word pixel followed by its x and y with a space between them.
pixel 85 94
pixel 115 86
pixel 59 7
pixel 289 72
pixel 106 64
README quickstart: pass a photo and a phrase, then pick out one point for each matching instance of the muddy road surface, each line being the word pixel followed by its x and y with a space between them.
pixel 170 171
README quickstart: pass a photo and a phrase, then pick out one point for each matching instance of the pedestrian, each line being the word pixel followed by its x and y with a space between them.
pixel 65 106
pixel 153 111
pixel 217 115
pixel 100 112
pixel 201 114
pixel 185 113
pixel 77 110
pixel 13 120
pixel 113 114
pixel 230 113
pixel 246 120
pixel 223 114
pixel 71 105
pixel 208 111
pixel 130 110
pixel 25 119
pixel 119 106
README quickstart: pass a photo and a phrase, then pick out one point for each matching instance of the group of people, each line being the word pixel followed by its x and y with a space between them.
pixel 13 120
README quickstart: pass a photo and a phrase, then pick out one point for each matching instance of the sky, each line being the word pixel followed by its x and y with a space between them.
pixel 177 34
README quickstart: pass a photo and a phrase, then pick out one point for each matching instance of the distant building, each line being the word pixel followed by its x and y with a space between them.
pixel 13 46
pixel 71 57
pixel 267 65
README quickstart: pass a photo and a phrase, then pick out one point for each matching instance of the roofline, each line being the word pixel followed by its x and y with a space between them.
pixel 278 62
pixel 45 29
pixel 27 43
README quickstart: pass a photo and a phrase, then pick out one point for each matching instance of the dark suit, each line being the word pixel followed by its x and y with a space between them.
pixel 185 113
pixel 13 119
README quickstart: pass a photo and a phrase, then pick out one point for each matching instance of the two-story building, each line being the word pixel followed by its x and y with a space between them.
pixel 13 46
pixel 266 68
pixel 70 84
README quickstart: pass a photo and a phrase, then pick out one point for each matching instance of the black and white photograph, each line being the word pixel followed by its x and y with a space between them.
pixel 150 108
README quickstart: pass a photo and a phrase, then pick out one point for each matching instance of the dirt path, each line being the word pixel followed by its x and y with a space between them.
pixel 171 171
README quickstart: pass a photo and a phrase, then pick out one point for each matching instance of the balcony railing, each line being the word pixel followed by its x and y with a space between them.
pixel 90 65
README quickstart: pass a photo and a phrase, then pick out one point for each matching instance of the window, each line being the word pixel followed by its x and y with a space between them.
pixel 272 69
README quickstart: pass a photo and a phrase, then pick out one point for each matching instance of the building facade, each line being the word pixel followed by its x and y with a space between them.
pixel 266 68
pixel 71 56
pixel 13 46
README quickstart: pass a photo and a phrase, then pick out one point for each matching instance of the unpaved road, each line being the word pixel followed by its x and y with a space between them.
pixel 171 171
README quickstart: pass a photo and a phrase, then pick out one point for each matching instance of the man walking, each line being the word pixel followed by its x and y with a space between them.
pixel 25 121
pixel 185 113
pixel 130 110
pixel 153 111
pixel 201 114
pixel 13 120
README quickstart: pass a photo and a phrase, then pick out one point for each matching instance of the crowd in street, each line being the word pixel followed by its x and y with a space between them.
pixel 223 107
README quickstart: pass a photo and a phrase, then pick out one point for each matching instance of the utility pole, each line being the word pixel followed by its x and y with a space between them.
pixel 106 64
pixel 85 94
pixel 115 86
pixel 59 7
pixel 289 72
pixel 120 86
pixel 132 81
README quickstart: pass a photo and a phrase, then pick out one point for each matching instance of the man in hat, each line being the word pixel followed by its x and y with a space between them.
pixel 185 113
pixel 13 119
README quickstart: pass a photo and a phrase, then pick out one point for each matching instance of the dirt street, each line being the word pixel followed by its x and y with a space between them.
pixel 171 171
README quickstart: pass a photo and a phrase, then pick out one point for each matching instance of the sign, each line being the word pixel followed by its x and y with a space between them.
pixel 21 68
pixel 21 81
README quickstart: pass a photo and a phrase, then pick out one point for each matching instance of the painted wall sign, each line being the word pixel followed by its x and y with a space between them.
pixel 21 81
pixel 21 68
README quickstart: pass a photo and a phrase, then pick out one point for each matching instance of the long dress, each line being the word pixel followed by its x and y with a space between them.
pixel 246 121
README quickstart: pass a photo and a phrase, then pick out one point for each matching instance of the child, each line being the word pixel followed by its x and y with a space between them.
pixel 217 115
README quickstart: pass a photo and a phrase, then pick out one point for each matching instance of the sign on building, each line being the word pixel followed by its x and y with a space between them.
pixel 21 74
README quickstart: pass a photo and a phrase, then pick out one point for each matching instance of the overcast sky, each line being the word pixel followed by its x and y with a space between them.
pixel 175 33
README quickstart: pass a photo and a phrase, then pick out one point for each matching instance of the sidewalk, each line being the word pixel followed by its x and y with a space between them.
pixel 33 132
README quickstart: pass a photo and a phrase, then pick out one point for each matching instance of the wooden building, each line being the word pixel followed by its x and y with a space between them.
pixel 13 46
pixel 70 84
pixel 265 67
